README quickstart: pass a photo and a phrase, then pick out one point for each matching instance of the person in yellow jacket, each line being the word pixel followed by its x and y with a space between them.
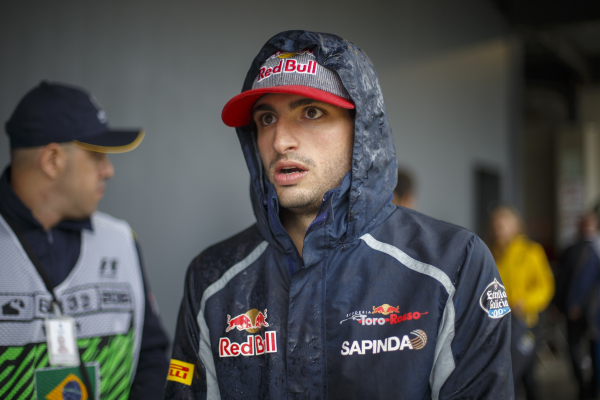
pixel 529 284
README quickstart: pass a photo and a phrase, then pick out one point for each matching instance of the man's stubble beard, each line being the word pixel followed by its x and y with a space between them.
pixel 308 201
pixel 302 203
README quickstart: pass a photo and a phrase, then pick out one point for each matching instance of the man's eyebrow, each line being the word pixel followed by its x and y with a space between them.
pixel 301 102
pixel 263 107
pixel 292 106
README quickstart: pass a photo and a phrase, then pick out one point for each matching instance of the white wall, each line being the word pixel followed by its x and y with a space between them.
pixel 445 70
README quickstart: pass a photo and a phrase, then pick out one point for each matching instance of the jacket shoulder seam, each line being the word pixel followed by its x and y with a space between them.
pixel 411 263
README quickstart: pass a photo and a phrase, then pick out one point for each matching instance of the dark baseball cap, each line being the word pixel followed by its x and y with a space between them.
pixel 59 113
pixel 292 73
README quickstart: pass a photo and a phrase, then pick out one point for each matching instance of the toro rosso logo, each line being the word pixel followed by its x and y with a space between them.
pixel 251 321
pixel 368 317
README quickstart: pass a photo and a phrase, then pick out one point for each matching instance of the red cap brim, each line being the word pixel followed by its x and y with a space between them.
pixel 238 111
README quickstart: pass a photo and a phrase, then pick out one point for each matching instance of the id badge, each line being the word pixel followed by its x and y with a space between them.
pixel 62 344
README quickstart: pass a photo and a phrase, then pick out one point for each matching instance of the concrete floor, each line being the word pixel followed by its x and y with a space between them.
pixel 556 381
pixel 553 370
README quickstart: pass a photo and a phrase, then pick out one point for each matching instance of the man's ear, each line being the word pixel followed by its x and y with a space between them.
pixel 53 160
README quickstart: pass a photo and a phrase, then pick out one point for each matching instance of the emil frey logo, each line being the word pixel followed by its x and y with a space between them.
pixel 393 343
pixel 493 300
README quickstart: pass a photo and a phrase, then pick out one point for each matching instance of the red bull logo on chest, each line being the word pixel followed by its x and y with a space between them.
pixel 386 309
pixel 255 345
pixel 251 321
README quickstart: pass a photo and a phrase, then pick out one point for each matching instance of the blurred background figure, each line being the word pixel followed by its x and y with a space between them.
pixel 576 297
pixel 529 284
pixel 404 194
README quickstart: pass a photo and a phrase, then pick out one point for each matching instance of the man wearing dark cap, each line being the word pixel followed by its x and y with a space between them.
pixel 76 315
pixel 334 293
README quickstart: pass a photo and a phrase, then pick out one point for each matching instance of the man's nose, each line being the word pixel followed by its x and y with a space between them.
pixel 108 169
pixel 286 138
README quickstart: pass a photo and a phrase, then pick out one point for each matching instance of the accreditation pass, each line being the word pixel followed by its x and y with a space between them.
pixel 62 346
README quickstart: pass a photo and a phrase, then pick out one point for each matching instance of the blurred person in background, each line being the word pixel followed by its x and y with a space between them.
pixel 577 291
pixel 529 284
pixel 404 193
pixel 71 276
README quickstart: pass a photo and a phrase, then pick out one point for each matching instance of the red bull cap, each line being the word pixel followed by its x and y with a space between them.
pixel 292 73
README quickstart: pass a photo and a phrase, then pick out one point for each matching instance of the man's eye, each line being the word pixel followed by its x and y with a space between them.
pixel 267 119
pixel 313 113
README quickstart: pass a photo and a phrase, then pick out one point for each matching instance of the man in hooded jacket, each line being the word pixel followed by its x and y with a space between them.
pixel 368 301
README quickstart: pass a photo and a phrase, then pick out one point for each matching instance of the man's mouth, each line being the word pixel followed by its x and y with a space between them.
pixel 101 188
pixel 290 170
pixel 289 174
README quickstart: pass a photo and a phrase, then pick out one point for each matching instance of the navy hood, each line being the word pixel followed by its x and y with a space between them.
pixel 360 202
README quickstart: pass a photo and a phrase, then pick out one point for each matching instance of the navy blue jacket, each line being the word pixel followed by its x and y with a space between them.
pixel 385 303
pixel 58 250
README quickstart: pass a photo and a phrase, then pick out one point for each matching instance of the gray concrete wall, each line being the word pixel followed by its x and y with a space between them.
pixel 450 113
pixel 446 69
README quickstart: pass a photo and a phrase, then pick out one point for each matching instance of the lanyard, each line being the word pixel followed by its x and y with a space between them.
pixel 40 270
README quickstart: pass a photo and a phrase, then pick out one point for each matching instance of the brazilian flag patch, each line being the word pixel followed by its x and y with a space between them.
pixel 66 383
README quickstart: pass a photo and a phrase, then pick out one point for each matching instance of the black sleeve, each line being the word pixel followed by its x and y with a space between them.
pixel 153 364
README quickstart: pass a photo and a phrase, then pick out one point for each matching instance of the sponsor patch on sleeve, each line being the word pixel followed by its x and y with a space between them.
pixel 181 372
pixel 493 300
